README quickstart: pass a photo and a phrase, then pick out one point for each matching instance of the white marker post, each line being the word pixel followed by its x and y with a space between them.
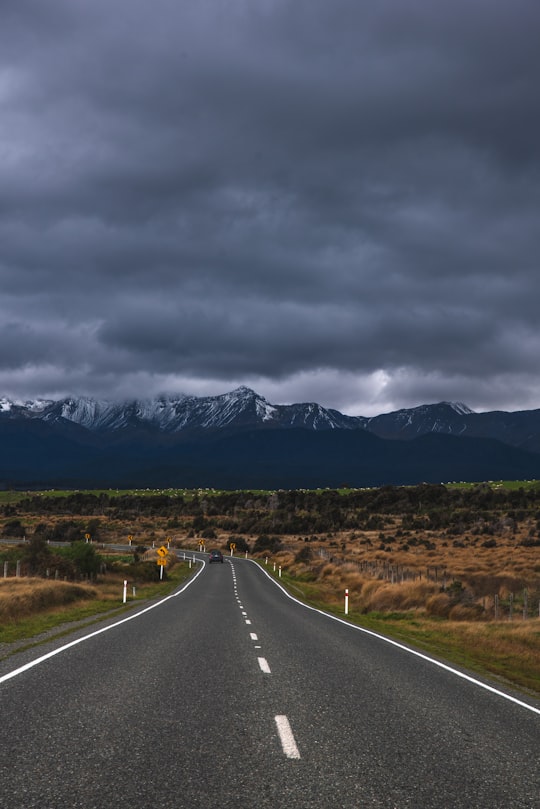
pixel 124 597
pixel 346 602
pixel 280 571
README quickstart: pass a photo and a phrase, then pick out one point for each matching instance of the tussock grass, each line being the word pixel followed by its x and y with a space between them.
pixel 29 607
pixel 397 598
pixel 23 597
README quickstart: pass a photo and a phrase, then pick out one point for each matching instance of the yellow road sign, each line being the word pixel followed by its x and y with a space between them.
pixel 162 551
pixel 162 561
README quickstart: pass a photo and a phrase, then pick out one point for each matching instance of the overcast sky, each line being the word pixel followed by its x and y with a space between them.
pixel 325 200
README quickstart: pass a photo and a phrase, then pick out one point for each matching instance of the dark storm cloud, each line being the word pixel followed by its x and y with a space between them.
pixel 331 201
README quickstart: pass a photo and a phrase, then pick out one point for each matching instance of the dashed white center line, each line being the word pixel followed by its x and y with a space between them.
pixel 286 737
pixel 263 663
pixel 248 622
pixel 253 636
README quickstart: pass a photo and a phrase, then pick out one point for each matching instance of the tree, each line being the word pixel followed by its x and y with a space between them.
pixel 37 555
pixel 85 558
pixel 14 528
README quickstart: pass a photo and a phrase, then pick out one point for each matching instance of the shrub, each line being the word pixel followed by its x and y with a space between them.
pixel 304 555
pixel 14 528
pixel 267 543
pixel 84 557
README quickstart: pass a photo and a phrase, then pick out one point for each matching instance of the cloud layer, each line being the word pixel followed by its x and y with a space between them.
pixel 329 201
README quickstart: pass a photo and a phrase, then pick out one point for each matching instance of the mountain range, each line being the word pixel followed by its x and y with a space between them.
pixel 240 440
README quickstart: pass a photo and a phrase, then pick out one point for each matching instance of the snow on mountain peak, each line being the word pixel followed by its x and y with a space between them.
pixel 460 408
pixel 241 407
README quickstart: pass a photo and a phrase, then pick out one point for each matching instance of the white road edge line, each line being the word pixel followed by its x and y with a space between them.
pixel 286 737
pixel 44 657
pixel 398 645
pixel 263 663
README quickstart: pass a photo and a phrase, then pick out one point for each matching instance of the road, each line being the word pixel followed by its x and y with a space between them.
pixel 230 694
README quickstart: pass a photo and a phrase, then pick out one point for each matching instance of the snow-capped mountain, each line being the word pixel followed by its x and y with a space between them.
pixel 241 408
pixel 240 440
pixel 444 417
pixel 244 409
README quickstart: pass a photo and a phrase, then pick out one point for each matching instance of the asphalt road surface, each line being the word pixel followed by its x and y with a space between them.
pixel 230 694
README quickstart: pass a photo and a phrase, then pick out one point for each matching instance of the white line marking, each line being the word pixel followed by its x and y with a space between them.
pixel 263 663
pixel 54 652
pixel 248 622
pixel 286 737
pixel 253 636
pixel 403 648
pixel 244 613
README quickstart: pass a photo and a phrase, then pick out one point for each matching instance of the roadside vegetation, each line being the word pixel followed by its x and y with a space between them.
pixel 453 569
pixel 91 583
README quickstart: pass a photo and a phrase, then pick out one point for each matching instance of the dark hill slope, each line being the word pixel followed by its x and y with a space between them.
pixel 38 454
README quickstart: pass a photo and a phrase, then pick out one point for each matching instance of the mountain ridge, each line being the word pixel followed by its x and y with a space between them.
pixel 244 408
pixel 240 440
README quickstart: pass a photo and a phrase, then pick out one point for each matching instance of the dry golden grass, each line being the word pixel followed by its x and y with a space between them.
pixel 22 597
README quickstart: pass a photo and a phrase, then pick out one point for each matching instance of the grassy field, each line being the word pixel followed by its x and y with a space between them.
pixel 12 496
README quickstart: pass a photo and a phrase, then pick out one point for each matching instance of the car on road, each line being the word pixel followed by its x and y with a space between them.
pixel 215 556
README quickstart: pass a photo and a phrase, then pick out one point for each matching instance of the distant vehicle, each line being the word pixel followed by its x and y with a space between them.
pixel 215 556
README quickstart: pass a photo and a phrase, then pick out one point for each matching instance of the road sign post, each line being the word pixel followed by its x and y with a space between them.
pixel 162 553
